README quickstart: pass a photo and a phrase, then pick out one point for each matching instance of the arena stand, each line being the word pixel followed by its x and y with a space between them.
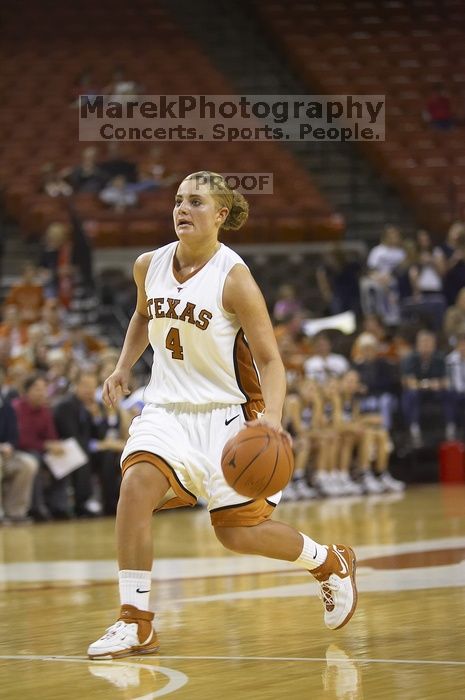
pixel 39 124
pixel 401 50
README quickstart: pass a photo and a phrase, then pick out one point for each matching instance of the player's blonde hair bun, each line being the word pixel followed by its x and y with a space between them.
pixel 233 200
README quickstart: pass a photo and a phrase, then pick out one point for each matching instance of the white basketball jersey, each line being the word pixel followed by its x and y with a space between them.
pixel 200 355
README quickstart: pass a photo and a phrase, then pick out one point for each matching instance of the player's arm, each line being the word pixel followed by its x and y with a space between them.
pixel 242 297
pixel 136 339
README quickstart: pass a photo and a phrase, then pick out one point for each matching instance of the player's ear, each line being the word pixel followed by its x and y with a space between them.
pixel 222 215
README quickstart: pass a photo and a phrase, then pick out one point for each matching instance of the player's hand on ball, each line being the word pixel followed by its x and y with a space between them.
pixel 273 423
pixel 116 384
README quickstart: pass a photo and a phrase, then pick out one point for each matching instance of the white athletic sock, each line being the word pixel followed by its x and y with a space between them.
pixel 134 588
pixel 312 555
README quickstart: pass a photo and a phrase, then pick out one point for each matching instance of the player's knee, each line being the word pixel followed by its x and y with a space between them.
pixel 142 486
pixel 233 538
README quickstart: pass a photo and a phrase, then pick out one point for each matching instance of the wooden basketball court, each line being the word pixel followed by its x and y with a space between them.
pixel 245 627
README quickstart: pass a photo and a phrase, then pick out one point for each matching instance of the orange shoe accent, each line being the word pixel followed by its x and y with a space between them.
pixel 341 561
pixel 146 634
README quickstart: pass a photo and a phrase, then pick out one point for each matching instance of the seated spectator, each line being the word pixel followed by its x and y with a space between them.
pixel 84 86
pixel 337 277
pixel 102 435
pixel 13 381
pixel 454 322
pixel 324 364
pixel 423 379
pixel 287 304
pixel 303 418
pixel 37 435
pixel 57 374
pixel 27 296
pixel 438 109
pixel 17 469
pixel 390 346
pixel 402 271
pixel 74 418
pixel 121 86
pixel 426 302
pixel 55 262
pixel 377 378
pixel 451 257
pixel 117 195
pixel 117 164
pixel 53 325
pixel 113 430
pixel 153 172
pixel 426 273
pixel 364 431
pixel 379 290
pixel 87 176
pixel 13 334
pixel 455 364
pixel 52 183
pixel 80 345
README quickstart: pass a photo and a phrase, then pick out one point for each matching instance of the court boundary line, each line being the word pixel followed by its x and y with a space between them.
pixel 425 662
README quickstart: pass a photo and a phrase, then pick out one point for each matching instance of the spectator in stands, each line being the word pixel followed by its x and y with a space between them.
pixel 337 277
pixel 287 304
pixel 13 334
pixel 117 195
pixel 302 417
pixel 27 296
pixel 74 417
pixel 426 273
pixel 455 363
pixel 391 346
pixel 81 345
pixel 324 363
pixel 117 164
pixel 55 260
pixel 113 430
pixel 426 302
pixel 402 271
pixel 83 85
pixel 53 324
pixel 17 469
pixel 377 378
pixel 154 173
pixel 87 176
pixel 424 379
pixel 13 382
pixel 451 257
pixel 454 322
pixel 379 290
pixel 52 182
pixel 57 374
pixel 37 435
pixel 438 109
pixel 121 87
pixel 365 431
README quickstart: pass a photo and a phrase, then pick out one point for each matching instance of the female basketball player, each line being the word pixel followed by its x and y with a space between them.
pixel 207 323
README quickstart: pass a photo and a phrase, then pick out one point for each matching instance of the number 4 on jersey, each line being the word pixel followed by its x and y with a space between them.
pixel 173 344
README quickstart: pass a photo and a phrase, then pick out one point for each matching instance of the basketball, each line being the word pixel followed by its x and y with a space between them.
pixel 257 462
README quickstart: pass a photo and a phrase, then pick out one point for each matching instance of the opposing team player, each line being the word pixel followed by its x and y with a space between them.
pixel 207 322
